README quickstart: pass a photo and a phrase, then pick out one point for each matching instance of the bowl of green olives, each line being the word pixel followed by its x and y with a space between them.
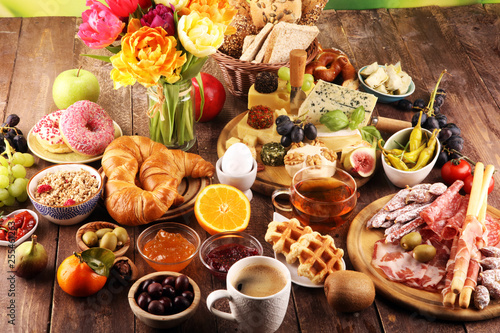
pixel 103 234
pixel 164 299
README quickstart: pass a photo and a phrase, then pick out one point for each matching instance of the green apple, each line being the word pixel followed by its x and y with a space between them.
pixel 75 85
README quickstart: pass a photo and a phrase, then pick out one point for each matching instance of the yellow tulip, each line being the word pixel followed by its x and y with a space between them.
pixel 199 35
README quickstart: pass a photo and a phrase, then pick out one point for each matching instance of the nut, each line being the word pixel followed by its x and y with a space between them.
pixel 124 269
pixel 296 145
pixel 318 143
pixel 293 158
pixel 313 160
pixel 329 155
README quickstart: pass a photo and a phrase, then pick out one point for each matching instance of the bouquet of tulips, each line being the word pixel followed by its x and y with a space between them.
pixel 160 44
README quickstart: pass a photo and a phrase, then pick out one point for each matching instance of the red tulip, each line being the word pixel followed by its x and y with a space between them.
pixel 123 8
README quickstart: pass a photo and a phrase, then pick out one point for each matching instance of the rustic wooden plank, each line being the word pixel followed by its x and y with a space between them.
pixel 9 35
pixel 478 32
pixel 43 48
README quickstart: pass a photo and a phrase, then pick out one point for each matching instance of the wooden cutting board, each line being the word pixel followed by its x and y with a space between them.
pixel 360 242
pixel 271 178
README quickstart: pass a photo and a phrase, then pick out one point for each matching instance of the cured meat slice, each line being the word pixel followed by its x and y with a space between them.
pixel 454 223
pixel 443 204
pixel 400 266
pixel 411 214
pixel 493 227
pixel 397 201
pixel 403 210
pixel 404 229
pixel 377 220
pixel 448 296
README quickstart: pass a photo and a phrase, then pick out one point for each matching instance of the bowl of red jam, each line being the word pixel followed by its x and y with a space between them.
pixel 168 246
pixel 220 251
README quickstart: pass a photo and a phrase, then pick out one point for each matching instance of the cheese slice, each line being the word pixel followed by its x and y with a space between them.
pixel 327 96
pixel 263 136
pixel 338 140
pixel 280 99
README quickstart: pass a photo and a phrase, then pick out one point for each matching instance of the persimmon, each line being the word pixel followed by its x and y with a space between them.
pixel 84 274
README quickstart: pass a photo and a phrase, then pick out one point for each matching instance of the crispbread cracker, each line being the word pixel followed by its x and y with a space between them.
pixel 252 50
pixel 286 37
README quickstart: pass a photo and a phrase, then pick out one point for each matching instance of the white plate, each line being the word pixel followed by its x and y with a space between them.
pixel 28 235
pixel 39 151
pixel 299 280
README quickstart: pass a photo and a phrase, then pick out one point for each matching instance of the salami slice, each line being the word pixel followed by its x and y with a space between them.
pixel 403 229
pixel 443 204
pixel 493 227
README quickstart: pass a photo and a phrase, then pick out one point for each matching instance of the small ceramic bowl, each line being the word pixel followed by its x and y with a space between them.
pixel 65 215
pixel 243 182
pixel 27 236
pixel 224 242
pixel 163 321
pixel 384 98
pixel 171 227
pixel 402 178
pixel 94 226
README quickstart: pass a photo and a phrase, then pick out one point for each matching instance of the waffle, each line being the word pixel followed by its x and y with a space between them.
pixel 284 234
pixel 317 255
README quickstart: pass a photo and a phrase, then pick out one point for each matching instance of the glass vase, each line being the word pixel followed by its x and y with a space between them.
pixel 171 112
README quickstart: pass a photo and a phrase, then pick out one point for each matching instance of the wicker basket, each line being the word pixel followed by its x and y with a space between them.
pixel 240 75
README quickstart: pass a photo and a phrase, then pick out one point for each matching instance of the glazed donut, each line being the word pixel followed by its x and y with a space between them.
pixel 47 133
pixel 86 128
pixel 329 63
pixel 142 178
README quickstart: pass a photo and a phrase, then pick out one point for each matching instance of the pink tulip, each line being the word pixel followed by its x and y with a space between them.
pixel 100 26
pixel 123 8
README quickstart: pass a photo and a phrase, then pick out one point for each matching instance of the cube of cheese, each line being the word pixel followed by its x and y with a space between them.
pixel 327 97
pixel 280 99
pixel 264 135
pixel 250 140
pixel 232 140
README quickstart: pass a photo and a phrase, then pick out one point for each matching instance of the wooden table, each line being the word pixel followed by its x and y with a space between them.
pixel 463 40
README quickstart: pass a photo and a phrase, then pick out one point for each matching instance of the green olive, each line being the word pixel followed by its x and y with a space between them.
pixel 424 252
pixel 409 241
pixel 102 231
pixel 90 239
pixel 121 234
pixel 109 241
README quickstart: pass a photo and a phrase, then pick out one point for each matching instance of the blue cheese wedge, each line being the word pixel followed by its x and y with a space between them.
pixel 327 96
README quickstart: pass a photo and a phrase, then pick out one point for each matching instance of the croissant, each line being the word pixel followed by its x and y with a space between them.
pixel 143 176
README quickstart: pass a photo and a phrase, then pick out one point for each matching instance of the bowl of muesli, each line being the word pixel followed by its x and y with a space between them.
pixel 65 194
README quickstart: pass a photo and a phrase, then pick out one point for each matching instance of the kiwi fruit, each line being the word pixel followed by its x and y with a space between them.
pixel 349 291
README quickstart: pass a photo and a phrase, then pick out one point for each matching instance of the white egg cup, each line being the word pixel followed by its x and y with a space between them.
pixel 242 182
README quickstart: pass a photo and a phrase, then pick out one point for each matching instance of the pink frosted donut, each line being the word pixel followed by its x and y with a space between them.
pixel 86 128
pixel 47 133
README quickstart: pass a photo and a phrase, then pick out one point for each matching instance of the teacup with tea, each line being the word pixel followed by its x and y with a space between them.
pixel 322 197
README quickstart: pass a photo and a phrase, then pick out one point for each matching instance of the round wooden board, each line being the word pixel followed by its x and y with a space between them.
pixel 360 243
pixel 188 188
pixel 271 178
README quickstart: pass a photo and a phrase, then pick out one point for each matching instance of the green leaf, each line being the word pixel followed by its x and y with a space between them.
pixel 114 49
pixel 369 133
pixel 357 116
pixel 98 57
pixel 334 120
pixel 99 259
pixel 202 94
pixel 193 68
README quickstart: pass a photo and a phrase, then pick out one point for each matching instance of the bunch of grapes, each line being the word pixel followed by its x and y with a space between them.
pixel 284 74
pixel 13 135
pixel 294 131
pixel 432 118
pixel 13 181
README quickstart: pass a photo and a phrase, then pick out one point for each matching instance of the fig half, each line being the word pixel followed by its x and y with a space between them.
pixel 361 162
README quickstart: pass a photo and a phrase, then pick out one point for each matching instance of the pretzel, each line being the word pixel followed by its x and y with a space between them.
pixel 329 63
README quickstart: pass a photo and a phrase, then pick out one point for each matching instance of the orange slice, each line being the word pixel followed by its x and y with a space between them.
pixel 221 207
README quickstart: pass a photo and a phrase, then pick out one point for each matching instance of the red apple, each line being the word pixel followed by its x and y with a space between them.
pixel 215 96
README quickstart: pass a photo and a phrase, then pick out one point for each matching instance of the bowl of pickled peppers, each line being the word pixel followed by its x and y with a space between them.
pixel 409 155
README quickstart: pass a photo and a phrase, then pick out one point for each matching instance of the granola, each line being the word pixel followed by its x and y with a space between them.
pixel 63 188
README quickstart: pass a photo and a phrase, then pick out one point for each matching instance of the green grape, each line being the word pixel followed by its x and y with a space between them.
pixel 23 197
pixel 4 181
pixel 288 87
pixel 16 189
pixel 21 181
pixel 4 171
pixel 29 160
pixel 18 158
pixel 309 77
pixel 2 204
pixel 18 171
pixel 306 85
pixel 4 161
pixel 4 194
pixel 284 73
pixel 9 201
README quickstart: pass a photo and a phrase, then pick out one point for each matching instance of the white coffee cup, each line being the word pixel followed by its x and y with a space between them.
pixel 253 314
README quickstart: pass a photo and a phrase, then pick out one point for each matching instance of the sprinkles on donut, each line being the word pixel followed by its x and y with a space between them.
pixel 47 133
pixel 86 128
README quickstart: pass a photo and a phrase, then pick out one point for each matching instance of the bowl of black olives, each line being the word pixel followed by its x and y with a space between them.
pixel 164 299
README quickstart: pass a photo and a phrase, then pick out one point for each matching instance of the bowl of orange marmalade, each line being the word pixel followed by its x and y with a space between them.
pixel 168 246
